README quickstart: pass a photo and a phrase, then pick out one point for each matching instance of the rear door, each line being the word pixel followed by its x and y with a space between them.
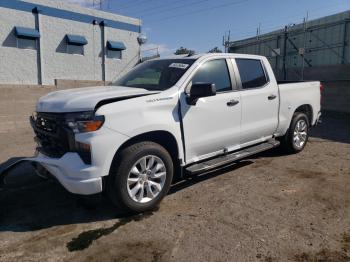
pixel 259 97
pixel 212 126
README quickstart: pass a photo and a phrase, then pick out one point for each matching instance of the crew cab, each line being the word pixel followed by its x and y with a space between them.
pixel 182 115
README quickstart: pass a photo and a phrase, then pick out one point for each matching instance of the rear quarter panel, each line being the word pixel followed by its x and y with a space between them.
pixel 294 95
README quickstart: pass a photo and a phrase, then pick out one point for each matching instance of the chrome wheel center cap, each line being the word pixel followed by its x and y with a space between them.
pixel 144 177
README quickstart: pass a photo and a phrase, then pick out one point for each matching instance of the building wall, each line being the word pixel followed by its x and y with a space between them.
pixel 20 66
pixel 326 42
pixel 327 56
pixel 16 65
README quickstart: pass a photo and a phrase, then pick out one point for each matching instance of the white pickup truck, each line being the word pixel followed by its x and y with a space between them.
pixel 165 117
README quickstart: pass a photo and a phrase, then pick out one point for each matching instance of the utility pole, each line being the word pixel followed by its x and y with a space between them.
pixel 304 50
pixel 258 32
pixel 223 43
pixel 285 52
pixel 226 40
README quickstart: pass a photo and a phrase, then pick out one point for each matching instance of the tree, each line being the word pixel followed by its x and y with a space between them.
pixel 215 50
pixel 183 51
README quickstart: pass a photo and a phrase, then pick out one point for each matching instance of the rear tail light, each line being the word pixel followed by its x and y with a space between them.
pixel 321 90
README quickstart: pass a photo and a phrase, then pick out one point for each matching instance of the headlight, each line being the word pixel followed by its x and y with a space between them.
pixel 84 122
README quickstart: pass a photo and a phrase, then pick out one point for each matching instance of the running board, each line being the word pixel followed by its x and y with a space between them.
pixel 231 157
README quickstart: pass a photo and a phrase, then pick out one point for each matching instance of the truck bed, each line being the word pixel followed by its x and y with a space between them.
pixel 305 92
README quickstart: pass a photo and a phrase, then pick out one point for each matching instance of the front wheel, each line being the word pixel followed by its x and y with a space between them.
pixel 297 135
pixel 140 177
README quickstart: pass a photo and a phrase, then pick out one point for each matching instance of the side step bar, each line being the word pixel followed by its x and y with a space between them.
pixel 231 157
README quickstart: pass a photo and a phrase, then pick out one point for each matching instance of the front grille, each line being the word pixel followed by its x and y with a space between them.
pixel 47 122
pixel 53 137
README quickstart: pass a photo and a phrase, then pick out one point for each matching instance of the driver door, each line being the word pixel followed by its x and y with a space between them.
pixel 212 125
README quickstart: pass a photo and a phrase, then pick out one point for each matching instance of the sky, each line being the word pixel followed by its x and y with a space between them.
pixel 200 24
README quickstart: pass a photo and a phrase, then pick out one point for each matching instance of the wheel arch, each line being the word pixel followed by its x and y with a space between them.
pixel 307 110
pixel 161 137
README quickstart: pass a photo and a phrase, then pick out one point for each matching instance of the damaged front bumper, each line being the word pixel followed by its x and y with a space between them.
pixel 68 170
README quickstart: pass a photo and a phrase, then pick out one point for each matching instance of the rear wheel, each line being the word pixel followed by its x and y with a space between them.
pixel 141 177
pixel 297 135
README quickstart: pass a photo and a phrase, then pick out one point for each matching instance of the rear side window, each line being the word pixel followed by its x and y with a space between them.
pixel 216 72
pixel 251 72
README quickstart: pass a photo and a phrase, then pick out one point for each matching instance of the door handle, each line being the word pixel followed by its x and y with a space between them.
pixel 232 102
pixel 271 97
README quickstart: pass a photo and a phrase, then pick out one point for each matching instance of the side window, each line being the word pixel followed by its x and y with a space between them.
pixel 216 72
pixel 251 72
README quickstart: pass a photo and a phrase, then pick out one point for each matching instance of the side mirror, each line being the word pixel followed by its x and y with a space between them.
pixel 199 90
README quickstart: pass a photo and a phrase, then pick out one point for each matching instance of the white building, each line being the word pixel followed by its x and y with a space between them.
pixel 44 40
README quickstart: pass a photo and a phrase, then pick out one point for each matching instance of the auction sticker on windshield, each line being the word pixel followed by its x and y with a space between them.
pixel 179 65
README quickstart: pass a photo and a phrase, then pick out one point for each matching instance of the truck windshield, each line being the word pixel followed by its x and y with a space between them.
pixel 155 74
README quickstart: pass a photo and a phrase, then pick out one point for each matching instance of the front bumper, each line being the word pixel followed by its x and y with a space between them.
pixel 75 175
pixel 69 170
pixel 72 173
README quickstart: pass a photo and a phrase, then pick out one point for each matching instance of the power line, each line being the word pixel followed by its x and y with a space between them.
pixel 130 4
pixel 281 22
pixel 199 11
pixel 167 9
pixel 159 6
pixel 135 5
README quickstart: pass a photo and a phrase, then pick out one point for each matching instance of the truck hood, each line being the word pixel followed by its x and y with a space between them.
pixel 85 99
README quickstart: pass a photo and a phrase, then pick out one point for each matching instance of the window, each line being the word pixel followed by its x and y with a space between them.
pixel 114 49
pixel 75 44
pixel 215 72
pixel 149 76
pixel 251 72
pixel 155 74
pixel 24 43
pixel 114 54
pixel 75 49
pixel 27 38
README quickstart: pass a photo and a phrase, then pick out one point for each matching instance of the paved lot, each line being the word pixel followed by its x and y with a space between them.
pixel 273 207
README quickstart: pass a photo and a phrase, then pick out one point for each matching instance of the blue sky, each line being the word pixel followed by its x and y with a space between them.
pixel 201 24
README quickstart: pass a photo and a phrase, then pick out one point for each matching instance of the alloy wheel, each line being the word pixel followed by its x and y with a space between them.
pixel 146 179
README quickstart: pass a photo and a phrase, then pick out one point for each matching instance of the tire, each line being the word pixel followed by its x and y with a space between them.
pixel 295 140
pixel 135 171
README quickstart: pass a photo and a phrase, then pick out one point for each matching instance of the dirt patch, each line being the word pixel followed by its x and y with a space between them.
pixel 147 250
pixel 85 239
pixel 325 255
pixel 346 242
pixel 307 174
